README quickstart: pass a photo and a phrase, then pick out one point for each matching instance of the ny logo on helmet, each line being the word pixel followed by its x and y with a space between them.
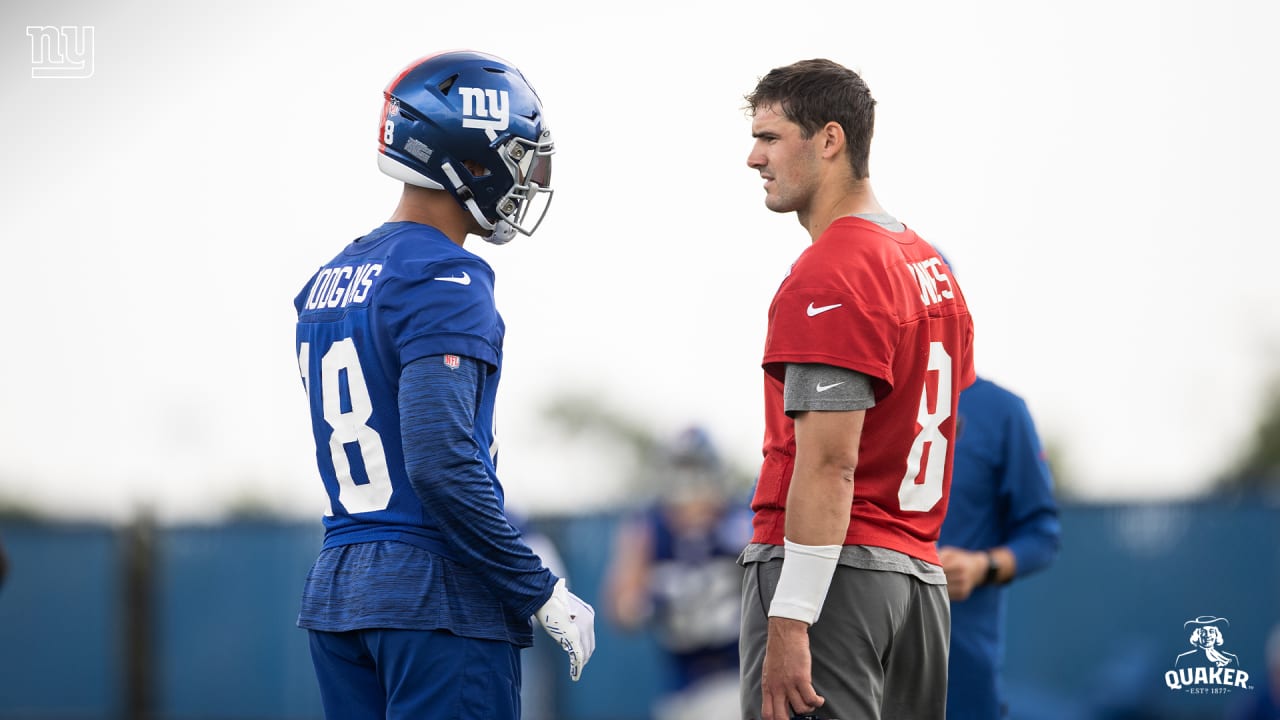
pixel 485 108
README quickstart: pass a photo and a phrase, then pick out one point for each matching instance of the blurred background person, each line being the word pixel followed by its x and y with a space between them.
pixel 537 687
pixel 674 572
pixel 1001 524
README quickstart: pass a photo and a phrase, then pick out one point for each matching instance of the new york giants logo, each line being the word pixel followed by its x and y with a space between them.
pixel 485 108
pixel 65 52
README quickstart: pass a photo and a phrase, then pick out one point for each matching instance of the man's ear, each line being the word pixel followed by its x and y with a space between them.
pixel 833 139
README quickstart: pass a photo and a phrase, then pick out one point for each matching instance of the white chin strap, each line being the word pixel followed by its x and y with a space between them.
pixel 501 232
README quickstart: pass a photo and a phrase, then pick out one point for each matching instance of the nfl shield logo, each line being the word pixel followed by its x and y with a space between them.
pixel 451 361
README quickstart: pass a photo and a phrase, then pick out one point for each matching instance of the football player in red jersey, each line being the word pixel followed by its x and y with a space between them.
pixel 845 609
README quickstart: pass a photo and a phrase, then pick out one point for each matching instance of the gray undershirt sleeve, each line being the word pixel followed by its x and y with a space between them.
pixel 825 387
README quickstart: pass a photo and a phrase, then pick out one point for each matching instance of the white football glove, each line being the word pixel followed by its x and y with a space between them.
pixel 571 623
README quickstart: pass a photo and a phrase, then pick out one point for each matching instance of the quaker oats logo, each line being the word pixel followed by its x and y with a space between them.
pixel 1206 669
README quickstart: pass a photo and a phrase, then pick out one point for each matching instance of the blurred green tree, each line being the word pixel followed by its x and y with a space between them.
pixel 1066 486
pixel 1257 471
pixel 580 414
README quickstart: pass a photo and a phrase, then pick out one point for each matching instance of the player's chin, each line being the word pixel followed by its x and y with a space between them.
pixel 778 204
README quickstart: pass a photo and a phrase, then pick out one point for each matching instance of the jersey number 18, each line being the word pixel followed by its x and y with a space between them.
pixel 349 426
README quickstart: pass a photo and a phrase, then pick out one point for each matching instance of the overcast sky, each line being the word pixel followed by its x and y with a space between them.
pixel 1102 175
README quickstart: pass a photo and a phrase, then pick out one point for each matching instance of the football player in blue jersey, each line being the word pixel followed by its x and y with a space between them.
pixel 675 571
pixel 1001 524
pixel 423 592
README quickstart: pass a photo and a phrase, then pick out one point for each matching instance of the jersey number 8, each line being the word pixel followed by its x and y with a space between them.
pixel 916 493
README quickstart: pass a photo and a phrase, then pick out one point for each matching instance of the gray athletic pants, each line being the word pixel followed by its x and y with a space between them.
pixel 879 648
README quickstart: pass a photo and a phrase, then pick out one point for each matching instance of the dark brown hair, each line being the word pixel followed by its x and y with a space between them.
pixel 811 93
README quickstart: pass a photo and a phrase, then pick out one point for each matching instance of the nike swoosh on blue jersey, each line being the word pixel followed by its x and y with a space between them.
pixel 465 279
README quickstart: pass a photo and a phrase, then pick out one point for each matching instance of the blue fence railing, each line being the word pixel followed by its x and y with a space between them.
pixel 197 622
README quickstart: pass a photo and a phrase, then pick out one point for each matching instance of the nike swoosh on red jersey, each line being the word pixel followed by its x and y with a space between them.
pixel 812 311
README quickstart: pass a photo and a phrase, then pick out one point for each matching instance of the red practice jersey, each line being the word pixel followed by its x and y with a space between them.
pixel 883 304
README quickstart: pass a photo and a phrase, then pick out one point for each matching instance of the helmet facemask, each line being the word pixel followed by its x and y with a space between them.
pixel 524 205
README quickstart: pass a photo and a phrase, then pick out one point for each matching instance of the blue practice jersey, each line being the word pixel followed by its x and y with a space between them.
pixel 415 538
pixel 696 591
pixel 1001 494
pixel 401 293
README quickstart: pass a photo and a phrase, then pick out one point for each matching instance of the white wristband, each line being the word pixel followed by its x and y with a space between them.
pixel 806 577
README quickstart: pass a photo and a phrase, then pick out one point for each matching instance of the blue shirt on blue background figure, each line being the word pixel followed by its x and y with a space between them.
pixel 1001 524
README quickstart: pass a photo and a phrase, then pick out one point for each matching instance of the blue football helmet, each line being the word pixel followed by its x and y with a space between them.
pixel 689 467
pixel 454 109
